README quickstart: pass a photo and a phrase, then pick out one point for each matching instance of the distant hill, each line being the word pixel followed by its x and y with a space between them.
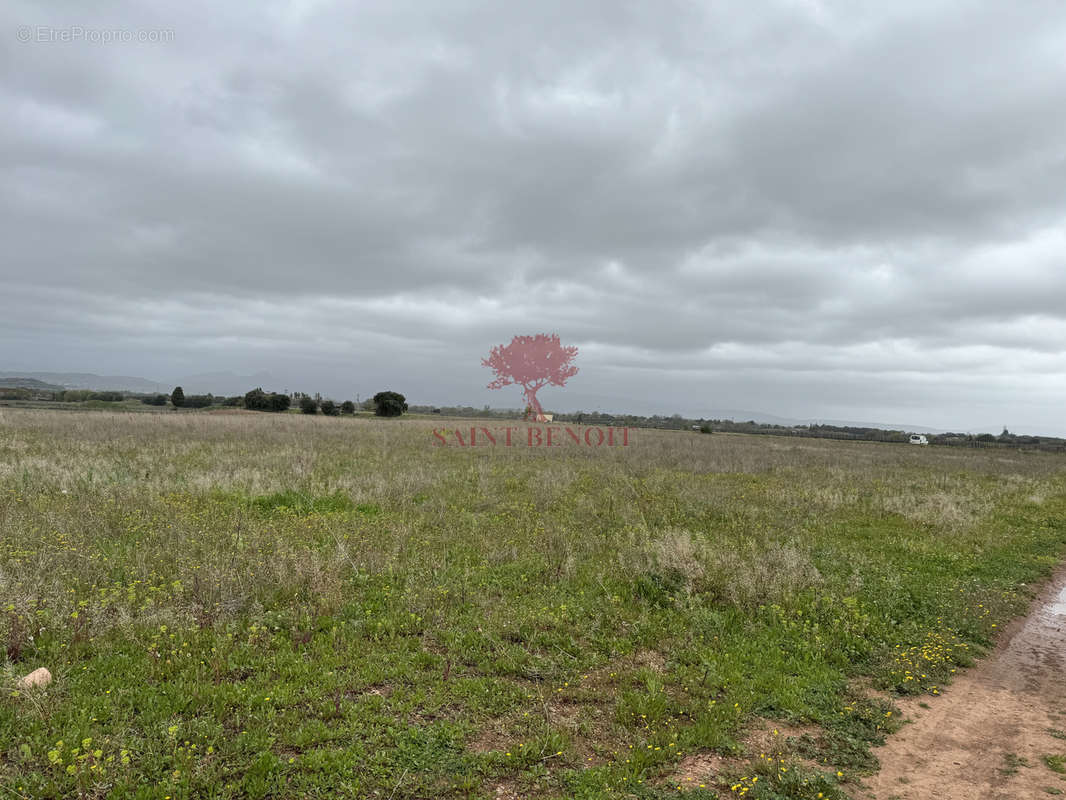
pixel 89 380
pixel 223 383
pixel 621 406
pixel 228 383
pixel 28 383
pixel 738 415
pixel 843 423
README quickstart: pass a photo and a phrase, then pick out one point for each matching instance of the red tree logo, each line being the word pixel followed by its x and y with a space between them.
pixel 531 362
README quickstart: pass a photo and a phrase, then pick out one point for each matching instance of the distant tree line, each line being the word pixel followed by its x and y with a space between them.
pixel 85 395
pixel 385 404
pixel 393 404
pixel 703 425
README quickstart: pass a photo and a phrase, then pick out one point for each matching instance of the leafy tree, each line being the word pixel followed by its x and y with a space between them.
pixel 347 407
pixel 329 408
pixel 308 405
pixel 177 397
pixel 258 400
pixel 389 404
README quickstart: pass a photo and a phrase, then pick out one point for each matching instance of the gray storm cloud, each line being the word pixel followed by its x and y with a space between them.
pixel 815 209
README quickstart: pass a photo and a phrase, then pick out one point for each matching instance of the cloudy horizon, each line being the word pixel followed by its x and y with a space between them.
pixel 814 209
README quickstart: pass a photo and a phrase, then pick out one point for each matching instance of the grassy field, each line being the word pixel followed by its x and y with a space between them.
pixel 254 605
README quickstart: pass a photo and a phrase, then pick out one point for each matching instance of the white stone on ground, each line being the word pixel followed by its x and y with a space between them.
pixel 39 677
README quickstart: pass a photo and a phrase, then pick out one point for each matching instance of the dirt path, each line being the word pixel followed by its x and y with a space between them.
pixel 987 735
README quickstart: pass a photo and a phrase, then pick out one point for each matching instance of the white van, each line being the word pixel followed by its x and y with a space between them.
pixel 917 438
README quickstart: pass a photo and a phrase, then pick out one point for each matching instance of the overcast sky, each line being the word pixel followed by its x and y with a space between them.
pixel 849 210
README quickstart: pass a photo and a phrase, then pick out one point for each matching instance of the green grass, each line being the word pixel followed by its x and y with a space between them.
pixel 1011 763
pixel 252 605
pixel 1056 763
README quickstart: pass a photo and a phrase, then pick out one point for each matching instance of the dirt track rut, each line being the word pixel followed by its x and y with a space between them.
pixel 987 735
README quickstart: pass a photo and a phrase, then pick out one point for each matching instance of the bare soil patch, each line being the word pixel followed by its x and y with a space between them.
pixel 989 734
pixel 765 739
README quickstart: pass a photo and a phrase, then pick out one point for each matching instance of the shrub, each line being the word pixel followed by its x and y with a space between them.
pixel 258 400
pixel 108 397
pixel 233 402
pixel 348 407
pixel 199 400
pixel 741 574
pixel 155 400
pixel 329 408
pixel 308 405
pixel 177 397
pixel 389 404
